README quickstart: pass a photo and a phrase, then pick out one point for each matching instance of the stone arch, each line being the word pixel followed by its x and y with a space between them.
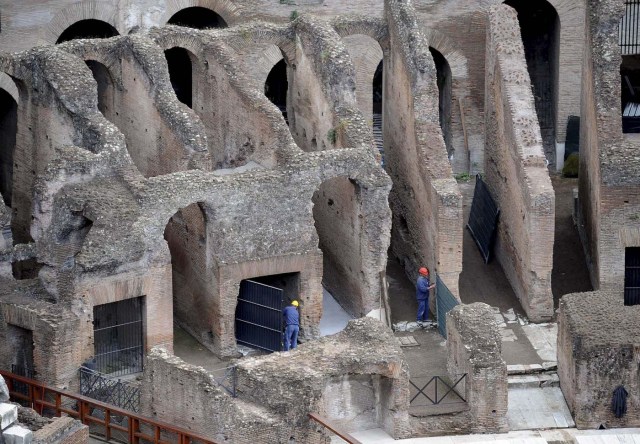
pixel 224 8
pixel 88 29
pixel 85 10
pixel 366 54
pixel 9 85
pixel 375 28
pixel 262 66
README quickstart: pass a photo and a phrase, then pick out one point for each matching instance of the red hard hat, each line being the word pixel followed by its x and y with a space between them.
pixel 423 271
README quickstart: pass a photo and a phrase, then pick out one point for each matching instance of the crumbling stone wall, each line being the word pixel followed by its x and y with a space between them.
pixel 609 165
pixel 516 169
pixel 162 135
pixel 598 350
pixel 277 392
pixel 425 200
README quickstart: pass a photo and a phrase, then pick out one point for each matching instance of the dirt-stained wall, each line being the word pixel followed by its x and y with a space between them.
pixel 425 200
pixel 516 169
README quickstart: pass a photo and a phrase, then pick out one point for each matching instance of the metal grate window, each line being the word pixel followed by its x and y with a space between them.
pixel 628 30
pixel 632 276
pixel 118 337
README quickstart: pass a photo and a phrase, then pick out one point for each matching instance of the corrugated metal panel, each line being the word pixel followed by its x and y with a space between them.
pixel 483 219
pixel 259 316
pixel 445 302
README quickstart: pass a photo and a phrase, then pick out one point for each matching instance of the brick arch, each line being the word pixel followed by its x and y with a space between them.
pixel 447 47
pixel 169 40
pixel 84 10
pixel 365 60
pixel 224 8
pixel 7 84
pixel 265 63
pixel 375 28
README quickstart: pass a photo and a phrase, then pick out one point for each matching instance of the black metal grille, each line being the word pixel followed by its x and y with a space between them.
pixel 21 387
pixel 483 219
pixel 445 301
pixel 437 391
pixel 628 32
pixel 632 276
pixel 259 316
pixel 118 337
pixel 112 391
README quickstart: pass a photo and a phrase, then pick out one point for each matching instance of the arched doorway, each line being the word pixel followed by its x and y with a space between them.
pixel 277 86
pixel 181 74
pixel 105 87
pixel 197 17
pixel 443 76
pixel 8 129
pixel 377 108
pixel 88 29
pixel 540 29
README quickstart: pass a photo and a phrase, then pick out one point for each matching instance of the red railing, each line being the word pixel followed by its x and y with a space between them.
pixel 41 397
pixel 336 431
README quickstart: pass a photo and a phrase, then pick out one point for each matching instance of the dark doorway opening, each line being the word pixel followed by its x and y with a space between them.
pixel 181 74
pixel 20 341
pixel 632 276
pixel 377 108
pixel 540 28
pixel 197 17
pixel 88 29
pixel 258 318
pixel 118 337
pixel 8 129
pixel 277 86
pixel 443 78
pixel 105 87
pixel 630 93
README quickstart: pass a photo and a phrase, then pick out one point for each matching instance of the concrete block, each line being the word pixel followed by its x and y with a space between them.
pixel 4 390
pixel 17 435
pixel 8 415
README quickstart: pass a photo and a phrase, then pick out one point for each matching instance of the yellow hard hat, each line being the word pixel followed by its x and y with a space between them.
pixel 294 303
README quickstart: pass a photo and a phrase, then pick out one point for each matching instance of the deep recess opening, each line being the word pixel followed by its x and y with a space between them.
pixel 8 129
pixel 630 93
pixel 277 86
pixel 181 74
pixel 88 29
pixel 105 86
pixel 632 276
pixel 540 28
pixel 197 17
pixel 377 98
pixel 443 77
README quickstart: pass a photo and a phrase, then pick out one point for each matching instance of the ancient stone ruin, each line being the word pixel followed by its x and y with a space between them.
pixel 158 157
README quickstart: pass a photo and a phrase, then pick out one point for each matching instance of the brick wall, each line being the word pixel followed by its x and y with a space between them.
pixel 597 352
pixel 64 430
pixel 515 169
pixel 426 203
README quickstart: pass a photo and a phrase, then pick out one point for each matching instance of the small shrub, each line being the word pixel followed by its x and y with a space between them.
pixel 332 136
pixel 294 15
pixel 571 165
pixel 463 177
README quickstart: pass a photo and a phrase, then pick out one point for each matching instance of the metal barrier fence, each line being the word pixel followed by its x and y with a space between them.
pixel 97 386
pixel 628 30
pixel 227 378
pixel 483 218
pixel 130 428
pixel 438 391
pixel 445 302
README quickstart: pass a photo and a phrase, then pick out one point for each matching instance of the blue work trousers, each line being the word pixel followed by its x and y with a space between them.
pixel 423 309
pixel 291 337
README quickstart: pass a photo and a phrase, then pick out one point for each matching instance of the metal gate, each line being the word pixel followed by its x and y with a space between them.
pixel 118 337
pixel 628 29
pixel 259 316
pixel 445 301
pixel 483 219
pixel 632 276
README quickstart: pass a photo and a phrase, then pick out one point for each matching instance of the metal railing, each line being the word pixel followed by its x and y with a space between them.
pixel 628 29
pixel 447 394
pixel 333 429
pixel 227 378
pixel 97 386
pixel 137 429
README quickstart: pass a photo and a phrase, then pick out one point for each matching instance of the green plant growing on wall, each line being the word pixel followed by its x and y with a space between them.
pixel 332 136
pixel 463 177
pixel 294 15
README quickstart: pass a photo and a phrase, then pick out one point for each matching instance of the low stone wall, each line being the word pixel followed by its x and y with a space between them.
pixel 516 170
pixel 599 350
pixel 474 348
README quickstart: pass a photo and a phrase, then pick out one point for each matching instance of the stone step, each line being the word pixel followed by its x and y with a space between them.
pixel 534 380
pixel 526 369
